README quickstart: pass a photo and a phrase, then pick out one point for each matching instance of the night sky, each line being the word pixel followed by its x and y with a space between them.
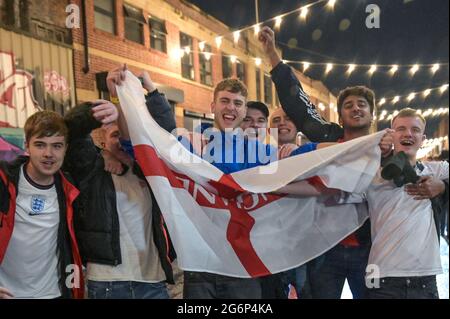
pixel 411 31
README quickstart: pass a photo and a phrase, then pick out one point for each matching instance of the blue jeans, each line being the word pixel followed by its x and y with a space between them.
pixel 126 290
pixel 327 273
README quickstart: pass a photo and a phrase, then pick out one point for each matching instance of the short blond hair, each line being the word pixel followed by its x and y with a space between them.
pixel 231 85
pixel 408 112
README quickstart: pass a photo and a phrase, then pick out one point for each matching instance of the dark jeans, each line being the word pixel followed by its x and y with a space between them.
pixel 200 285
pixel 274 286
pixel 298 278
pixel 126 290
pixel 327 273
pixel 405 288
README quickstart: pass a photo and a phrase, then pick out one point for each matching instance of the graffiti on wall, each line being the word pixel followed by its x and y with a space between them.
pixel 55 83
pixel 17 101
pixel 25 91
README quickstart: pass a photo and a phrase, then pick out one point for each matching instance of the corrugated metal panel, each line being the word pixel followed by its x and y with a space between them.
pixel 34 75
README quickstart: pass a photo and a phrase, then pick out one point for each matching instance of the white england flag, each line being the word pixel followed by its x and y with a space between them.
pixel 231 224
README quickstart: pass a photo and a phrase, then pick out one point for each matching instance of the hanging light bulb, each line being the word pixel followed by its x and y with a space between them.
pixel 201 45
pixel 331 4
pixel 207 55
pixel 236 36
pixel 435 68
pixel 372 69
pixel 187 50
pixel 329 68
pixel 426 92
pixel 257 29
pixel 306 65
pixel 303 13
pixel 414 69
pixel 411 96
pixel 393 69
pixel 351 68
pixel 444 88
pixel 258 61
pixel 278 21
pixel 396 99
pixel 218 42
pixel 233 58
pixel 177 54
pixel 382 101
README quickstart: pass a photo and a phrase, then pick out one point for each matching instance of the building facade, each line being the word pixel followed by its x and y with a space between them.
pixel 45 63
pixel 36 69
pixel 176 43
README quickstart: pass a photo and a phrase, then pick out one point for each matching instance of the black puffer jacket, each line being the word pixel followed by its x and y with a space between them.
pixel 97 224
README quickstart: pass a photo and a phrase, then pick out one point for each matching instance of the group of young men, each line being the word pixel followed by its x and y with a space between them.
pixel 105 216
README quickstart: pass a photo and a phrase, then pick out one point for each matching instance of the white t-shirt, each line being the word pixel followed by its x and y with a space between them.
pixel 30 266
pixel 140 259
pixel 404 237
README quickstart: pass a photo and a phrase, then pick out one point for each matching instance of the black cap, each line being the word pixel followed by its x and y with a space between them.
pixel 260 106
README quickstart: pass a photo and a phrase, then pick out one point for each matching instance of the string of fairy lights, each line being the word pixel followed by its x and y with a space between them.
pixel 412 95
pixel 426 113
pixel 328 67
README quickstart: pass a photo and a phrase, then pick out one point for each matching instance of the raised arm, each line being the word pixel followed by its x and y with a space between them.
pixel 157 105
pixel 82 154
pixel 293 99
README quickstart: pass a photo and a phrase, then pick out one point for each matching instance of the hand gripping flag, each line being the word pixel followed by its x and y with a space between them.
pixel 231 224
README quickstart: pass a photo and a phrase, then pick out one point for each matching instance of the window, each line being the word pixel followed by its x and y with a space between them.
pixel 258 84
pixel 104 14
pixel 158 34
pixel 227 67
pixel 102 88
pixel 240 71
pixel 134 24
pixel 206 66
pixel 8 14
pixel 187 61
pixel 50 32
pixel 194 121
pixel 267 89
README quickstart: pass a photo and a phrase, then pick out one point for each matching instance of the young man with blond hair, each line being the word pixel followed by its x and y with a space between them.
pixel 405 256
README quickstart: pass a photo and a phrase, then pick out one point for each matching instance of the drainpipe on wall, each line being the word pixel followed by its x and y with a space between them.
pixel 85 35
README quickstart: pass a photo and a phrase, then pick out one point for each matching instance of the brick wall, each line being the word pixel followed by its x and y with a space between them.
pixel 108 51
